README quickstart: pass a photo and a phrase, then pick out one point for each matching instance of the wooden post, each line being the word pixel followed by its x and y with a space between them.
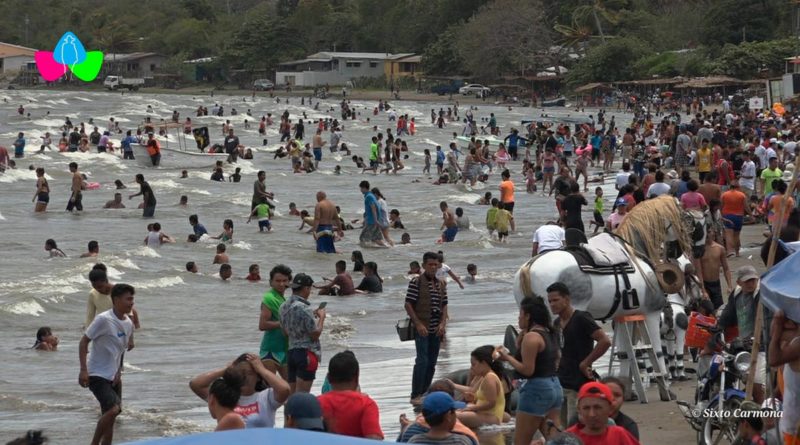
pixel 759 309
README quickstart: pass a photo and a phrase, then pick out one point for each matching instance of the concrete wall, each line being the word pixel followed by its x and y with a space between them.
pixel 13 64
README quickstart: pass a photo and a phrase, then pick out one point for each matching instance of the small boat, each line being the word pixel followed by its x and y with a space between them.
pixel 494 141
pixel 557 102
pixel 175 158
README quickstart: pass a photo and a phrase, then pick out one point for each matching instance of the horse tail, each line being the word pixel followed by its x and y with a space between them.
pixel 525 278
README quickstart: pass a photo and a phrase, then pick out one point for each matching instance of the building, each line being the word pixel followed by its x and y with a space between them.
pixel 335 68
pixel 403 65
pixel 14 57
pixel 141 65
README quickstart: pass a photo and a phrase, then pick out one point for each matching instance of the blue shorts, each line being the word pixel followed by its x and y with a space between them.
pixel 264 225
pixel 450 234
pixel 318 154
pixel 325 239
pixel 735 222
pixel 549 170
pixel 539 396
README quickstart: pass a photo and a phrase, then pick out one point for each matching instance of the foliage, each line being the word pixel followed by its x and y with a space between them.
pixel 736 21
pixel 614 60
pixel 505 37
pixel 442 56
pixel 747 59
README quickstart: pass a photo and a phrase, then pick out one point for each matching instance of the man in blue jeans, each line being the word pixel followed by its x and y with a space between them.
pixel 426 305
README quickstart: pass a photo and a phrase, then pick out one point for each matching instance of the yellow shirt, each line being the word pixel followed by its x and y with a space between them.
pixel 704 159
pixel 502 220
pixel 97 304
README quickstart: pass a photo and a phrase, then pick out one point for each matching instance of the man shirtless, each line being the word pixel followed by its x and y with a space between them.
pixel 325 219
pixel 115 203
pixel 75 197
pixel 449 223
pixel 316 145
pixel 713 259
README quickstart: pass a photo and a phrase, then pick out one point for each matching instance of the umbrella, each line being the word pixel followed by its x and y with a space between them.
pixel 780 287
pixel 260 435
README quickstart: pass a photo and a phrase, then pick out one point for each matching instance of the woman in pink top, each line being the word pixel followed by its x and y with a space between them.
pixel 692 200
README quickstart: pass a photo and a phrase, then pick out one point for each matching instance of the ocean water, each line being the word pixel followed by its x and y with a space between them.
pixel 194 323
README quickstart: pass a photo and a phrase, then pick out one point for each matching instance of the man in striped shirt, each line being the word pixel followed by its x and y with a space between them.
pixel 426 305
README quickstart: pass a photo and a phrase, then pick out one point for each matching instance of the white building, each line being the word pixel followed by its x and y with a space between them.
pixel 333 68
pixel 14 57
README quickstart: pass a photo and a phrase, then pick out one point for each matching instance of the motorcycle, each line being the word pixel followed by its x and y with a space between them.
pixel 720 391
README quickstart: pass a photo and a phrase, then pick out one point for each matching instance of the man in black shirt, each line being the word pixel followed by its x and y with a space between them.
pixel 571 207
pixel 583 342
pixel 147 194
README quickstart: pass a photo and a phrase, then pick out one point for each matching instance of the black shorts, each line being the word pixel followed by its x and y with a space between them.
pixel 149 211
pixel 43 197
pixel 598 218
pixel 703 175
pixel 714 289
pixel 127 155
pixel 106 392
pixel 698 251
pixel 303 364
pixel 509 206
pixel 101 149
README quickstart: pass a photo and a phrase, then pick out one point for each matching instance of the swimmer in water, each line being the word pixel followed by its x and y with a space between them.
pixel 45 340
pixel 115 203
pixel 225 272
pixel 405 238
pixel 93 250
pixel 472 273
pixel 191 267
pixel 184 201
pixel 119 184
pixel 55 252
pixel 221 257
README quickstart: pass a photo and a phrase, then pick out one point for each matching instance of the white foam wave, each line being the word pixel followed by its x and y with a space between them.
pixel 165 183
pixel 144 251
pixel 243 245
pixel 159 283
pixel 30 307
pixel 122 262
pixel 17 174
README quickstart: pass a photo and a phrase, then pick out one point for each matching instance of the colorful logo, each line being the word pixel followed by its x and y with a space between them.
pixel 69 54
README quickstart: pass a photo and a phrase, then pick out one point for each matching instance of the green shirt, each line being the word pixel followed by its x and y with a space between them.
pixel 262 211
pixel 274 342
pixel 491 215
pixel 598 204
pixel 768 176
pixel 373 152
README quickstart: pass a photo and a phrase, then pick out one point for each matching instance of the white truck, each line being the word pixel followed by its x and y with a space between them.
pixel 117 82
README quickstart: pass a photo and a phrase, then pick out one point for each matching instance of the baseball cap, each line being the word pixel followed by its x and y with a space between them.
pixel 773 141
pixel 305 411
pixel 440 402
pixel 746 273
pixel 301 280
pixel 597 390
pixel 622 202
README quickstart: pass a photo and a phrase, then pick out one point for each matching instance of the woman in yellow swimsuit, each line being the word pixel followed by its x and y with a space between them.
pixel 486 391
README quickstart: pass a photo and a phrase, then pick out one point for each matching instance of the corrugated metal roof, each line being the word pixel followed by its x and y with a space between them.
pixel 10 50
pixel 347 55
pixel 110 57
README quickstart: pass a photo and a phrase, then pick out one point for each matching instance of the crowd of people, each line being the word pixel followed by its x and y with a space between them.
pixel 734 168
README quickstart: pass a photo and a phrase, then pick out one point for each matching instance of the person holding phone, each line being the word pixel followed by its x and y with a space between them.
pixel 303 327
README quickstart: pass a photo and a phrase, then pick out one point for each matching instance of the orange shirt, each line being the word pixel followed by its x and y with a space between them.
pixel 775 207
pixel 507 191
pixel 733 202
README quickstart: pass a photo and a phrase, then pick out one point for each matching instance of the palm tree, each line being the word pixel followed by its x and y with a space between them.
pixel 597 9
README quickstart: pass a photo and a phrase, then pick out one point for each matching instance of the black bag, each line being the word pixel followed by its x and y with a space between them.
pixel 406 330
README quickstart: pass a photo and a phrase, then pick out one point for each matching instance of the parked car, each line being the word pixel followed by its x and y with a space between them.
pixel 263 85
pixel 445 89
pixel 473 88
pixel 117 82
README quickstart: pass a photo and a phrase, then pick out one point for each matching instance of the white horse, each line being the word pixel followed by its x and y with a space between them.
pixel 675 321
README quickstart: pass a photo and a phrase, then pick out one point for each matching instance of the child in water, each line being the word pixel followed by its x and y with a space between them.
pixel 221 257
pixel 472 272
pixel 55 252
pixel 227 231
pixel 45 340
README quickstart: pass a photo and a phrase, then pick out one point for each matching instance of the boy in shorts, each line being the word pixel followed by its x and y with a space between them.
pixel 263 213
pixel 598 210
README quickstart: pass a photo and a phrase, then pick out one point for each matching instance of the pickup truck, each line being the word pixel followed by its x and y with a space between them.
pixel 117 82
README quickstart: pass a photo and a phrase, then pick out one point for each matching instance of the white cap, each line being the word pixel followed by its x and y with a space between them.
pixel 773 141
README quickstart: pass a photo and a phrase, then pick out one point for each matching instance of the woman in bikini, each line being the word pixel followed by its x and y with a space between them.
pixel 42 196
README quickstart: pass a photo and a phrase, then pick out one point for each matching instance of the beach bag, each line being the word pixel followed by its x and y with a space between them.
pixel 405 329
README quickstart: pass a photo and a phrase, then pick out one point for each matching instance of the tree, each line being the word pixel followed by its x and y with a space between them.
pixel 506 36
pixel 597 9
pixel 442 56
pixel 737 21
pixel 612 61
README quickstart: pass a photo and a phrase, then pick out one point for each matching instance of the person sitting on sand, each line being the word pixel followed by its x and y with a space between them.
pixel 486 392
pixel 45 340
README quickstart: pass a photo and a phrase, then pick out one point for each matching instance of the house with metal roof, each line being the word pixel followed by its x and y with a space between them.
pixel 14 57
pixel 139 64
pixel 334 68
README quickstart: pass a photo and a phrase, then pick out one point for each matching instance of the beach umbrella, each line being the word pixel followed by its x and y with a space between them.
pixel 260 435
pixel 780 287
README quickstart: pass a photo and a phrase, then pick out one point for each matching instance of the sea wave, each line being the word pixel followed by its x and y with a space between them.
pixel 144 251
pixel 159 283
pixel 28 307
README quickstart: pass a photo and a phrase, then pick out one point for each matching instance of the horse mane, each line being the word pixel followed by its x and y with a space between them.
pixel 646 226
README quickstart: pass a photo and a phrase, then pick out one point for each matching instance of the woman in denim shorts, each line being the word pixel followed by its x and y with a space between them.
pixel 534 363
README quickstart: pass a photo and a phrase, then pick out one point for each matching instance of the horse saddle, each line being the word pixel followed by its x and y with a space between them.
pixel 604 255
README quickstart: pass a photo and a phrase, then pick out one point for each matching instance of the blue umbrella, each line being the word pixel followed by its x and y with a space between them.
pixel 780 287
pixel 260 435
